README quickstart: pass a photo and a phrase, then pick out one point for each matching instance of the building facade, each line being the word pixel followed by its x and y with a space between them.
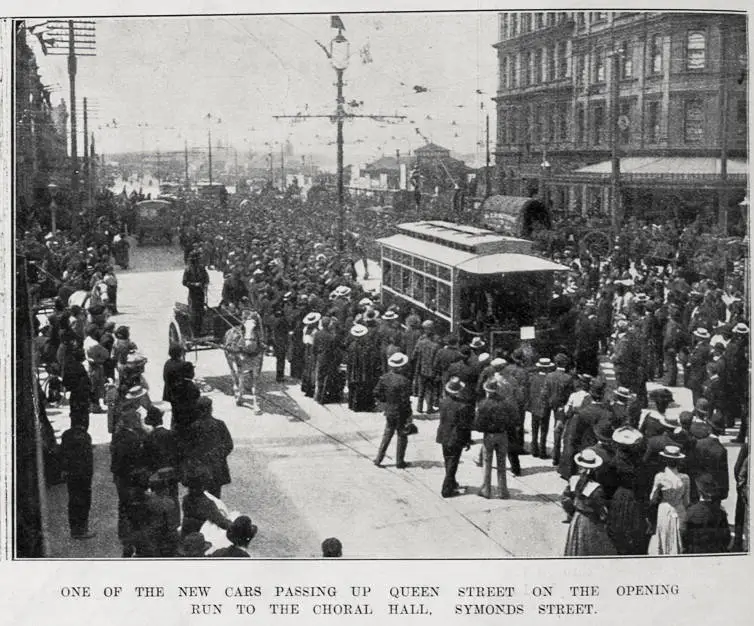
pixel 614 114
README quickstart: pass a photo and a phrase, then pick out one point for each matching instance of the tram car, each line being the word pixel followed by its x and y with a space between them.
pixel 471 282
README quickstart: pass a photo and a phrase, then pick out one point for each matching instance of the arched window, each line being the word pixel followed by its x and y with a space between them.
pixel 696 50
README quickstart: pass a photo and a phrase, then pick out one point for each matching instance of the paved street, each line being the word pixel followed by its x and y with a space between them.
pixel 303 471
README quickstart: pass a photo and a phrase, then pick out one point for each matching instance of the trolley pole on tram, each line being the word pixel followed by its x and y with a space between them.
pixel 616 209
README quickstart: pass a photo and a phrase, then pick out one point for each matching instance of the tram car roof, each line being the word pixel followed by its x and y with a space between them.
pixel 467 248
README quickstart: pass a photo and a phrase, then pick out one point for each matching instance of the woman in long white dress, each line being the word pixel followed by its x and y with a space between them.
pixel 671 492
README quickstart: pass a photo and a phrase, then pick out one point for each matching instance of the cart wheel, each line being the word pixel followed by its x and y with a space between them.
pixel 174 334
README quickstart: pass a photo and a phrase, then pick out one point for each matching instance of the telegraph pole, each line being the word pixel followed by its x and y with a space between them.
pixel 487 168
pixel 722 197
pixel 272 175
pixel 282 168
pixel 209 145
pixel 338 54
pixel 185 163
pixel 74 145
pixel 615 203
pixel 92 173
pixel 86 155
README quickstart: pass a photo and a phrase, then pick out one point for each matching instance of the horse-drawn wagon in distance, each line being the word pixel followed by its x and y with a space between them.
pixel 155 220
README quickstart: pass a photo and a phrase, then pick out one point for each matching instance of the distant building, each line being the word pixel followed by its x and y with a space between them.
pixel 667 90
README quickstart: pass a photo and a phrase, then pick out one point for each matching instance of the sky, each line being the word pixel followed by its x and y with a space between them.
pixel 158 78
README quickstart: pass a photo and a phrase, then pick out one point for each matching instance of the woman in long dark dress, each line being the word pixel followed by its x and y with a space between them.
pixel 308 380
pixel 627 514
pixel 584 501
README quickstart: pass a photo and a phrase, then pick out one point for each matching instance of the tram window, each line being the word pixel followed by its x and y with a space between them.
pixel 419 264
pixel 406 281
pixel 417 287
pixel 430 294
pixel 444 273
pixel 387 273
pixel 387 253
pixel 443 298
pixel 431 268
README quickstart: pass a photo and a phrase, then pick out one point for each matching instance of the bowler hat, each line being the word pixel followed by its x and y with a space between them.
pixel 561 360
pixel 702 406
pixel 603 430
pixel 193 544
pixel 241 530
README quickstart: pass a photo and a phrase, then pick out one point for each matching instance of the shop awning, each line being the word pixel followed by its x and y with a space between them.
pixel 508 263
pixel 660 166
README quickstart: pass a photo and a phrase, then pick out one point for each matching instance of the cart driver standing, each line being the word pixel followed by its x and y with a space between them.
pixel 196 279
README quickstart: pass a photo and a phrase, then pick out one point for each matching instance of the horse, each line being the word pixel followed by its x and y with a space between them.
pixel 244 348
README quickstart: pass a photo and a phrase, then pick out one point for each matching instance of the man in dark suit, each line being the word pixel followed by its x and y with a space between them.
pixel 696 368
pixel 161 449
pixel 78 467
pixel 454 431
pixel 496 418
pixel 711 457
pixel 126 458
pixel 707 530
pixel 208 443
pixel 172 371
pixel 540 417
pixel 196 279
pixel 557 387
pixel 446 356
pixel 423 359
pixel 394 391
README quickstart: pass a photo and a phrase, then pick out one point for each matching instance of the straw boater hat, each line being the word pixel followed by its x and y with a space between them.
pixel 588 459
pixel 477 342
pixel 390 316
pixel 483 358
pixel 544 363
pixel 312 318
pixel 428 324
pixel 397 360
pixel 641 298
pixel 491 386
pixel 702 333
pixel 672 452
pixel 343 291
pixel 365 302
pixel 359 330
pixel 627 436
pixel 498 362
pixel 741 329
pixel 623 393
pixel 455 386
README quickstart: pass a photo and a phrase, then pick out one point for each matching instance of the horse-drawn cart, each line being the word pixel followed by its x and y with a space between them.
pixel 215 323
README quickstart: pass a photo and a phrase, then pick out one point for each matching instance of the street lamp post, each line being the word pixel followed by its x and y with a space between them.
pixel 339 52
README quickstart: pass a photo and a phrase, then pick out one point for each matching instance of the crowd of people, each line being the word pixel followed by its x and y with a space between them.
pixel 638 479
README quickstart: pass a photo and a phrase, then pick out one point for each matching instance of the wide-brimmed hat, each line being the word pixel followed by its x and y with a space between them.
pixel 741 329
pixel 241 530
pixel 389 316
pixel 661 394
pixel 397 360
pixel 672 452
pixel 477 342
pixel 498 362
pixel 193 544
pixel 455 386
pixel 544 363
pixel 359 330
pixel 623 393
pixel 366 302
pixel 342 291
pixel 627 436
pixel 702 333
pixel 136 392
pixel 588 459
pixel 312 318
pixel 483 358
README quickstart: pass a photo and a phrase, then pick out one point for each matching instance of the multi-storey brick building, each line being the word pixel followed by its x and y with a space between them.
pixel 670 88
